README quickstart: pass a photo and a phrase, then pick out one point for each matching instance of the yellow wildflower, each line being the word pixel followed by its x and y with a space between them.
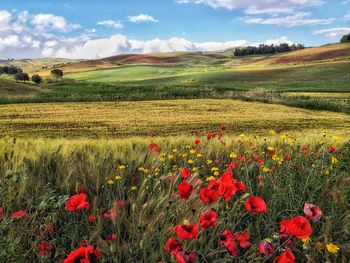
pixel 175 150
pixel 192 151
pixel 306 241
pixel 170 156
pixel 190 161
pixel 210 178
pixel 194 169
pixel 110 182
pixel 334 160
pixel 118 177
pixel 333 249
pixel 199 155
pixel 216 173
pixel 272 132
pixel 284 136
pixel 271 148
pixel 233 155
pixel 215 169
pixel 133 188
pixel 121 167
pixel 266 169
pixel 209 161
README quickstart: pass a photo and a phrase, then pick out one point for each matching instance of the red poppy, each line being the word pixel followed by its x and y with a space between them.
pixel 186 257
pixel 222 127
pixel 44 248
pixel 173 246
pixel 153 147
pixel 187 231
pixel 255 205
pixel 19 214
pixel 112 237
pixel 186 172
pixel 207 220
pixel 2 214
pixel 228 241
pixel 208 196
pixel 83 254
pixel 242 239
pixel 185 190
pixel 92 218
pixel 285 257
pixel 260 162
pixel 331 149
pixel 228 186
pixel 265 248
pixel 298 226
pixel 77 202
pixel 287 156
pixel 197 141
pixel 303 148
pixel 312 211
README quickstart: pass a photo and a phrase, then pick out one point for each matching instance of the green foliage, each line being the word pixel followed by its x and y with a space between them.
pixel 345 39
pixel 37 79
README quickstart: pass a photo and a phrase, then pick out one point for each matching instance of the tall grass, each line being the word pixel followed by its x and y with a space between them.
pixel 38 177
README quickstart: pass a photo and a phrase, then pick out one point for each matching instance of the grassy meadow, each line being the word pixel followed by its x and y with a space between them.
pixel 178 157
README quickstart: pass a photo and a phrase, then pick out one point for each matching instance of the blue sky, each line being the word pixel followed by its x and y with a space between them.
pixel 93 29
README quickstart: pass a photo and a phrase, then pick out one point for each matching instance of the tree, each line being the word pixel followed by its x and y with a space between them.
pixel 57 73
pixel 345 39
pixel 37 79
pixel 21 76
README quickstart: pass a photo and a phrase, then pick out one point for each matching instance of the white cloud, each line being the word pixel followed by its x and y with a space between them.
pixel 111 23
pixel 333 32
pixel 19 40
pixel 142 18
pixel 258 7
pixel 298 19
pixel 50 21
pixel 120 44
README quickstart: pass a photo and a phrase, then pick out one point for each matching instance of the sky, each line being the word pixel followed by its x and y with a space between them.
pixel 90 29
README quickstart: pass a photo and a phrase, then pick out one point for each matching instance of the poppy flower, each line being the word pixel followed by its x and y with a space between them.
pixel 255 205
pixel 298 226
pixel 19 214
pixel 187 231
pixel 186 172
pixel 303 148
pixel 83 254
pixel 313 212
pixel 112 237
pixel 186 257
pixel 208 196
pixel 197 141
pixel 44 248
pixel 173 246
pixel 207 220
pixel 227 240
pixel 228 186
pixel 153 147
pixel 265 248
pixel 287 156
pixel 222 127
pixel 331 149
pixel 2 214
pixel 92 218
pixel 77 202
pixel 242 239
pixel 285 257
pixel 185 190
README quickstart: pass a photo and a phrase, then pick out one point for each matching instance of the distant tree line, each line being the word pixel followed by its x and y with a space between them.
pixel 345 39
pixel 267 49
pixel 10 70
